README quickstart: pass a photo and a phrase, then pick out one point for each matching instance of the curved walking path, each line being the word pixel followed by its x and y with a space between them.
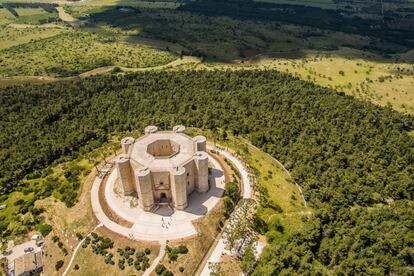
pixel 247 193
pixel 72 258
pixel 156 260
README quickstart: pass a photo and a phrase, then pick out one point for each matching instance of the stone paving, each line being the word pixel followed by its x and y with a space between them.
pixel 162 224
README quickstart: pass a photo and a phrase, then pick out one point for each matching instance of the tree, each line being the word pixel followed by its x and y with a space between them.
pixel 44 229
pixel 59 264
pixel 215 269
pixel 248 259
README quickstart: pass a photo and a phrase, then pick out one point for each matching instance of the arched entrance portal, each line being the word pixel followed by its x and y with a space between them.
pixel 163 197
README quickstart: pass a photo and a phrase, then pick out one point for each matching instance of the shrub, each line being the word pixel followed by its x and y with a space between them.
pixel 182 249
pixel 232 191
pixel 79 236
pixel 116 69
pixel 55 239
pixel 173 256
pixel 228 205
pixel 160 269
pixel 181 269
pixel 44 229
pixel 276 225
pixel 139 255
pixel 147 251
pixel 58 264
pixel 76 267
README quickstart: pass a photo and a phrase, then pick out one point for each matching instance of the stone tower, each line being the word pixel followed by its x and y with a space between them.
pixel 163 167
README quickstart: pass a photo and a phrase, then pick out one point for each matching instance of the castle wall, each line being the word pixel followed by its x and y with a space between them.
pixel 145 189
pixel 126 144
pixel 200 143
pixel 163 148
pixel 185 171
pixel 125 173
pixel 201 161
pixel 179 188
pixel 162 184
pixel 191 174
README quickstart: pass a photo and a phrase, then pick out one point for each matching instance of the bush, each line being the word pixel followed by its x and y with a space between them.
pixel 44 229
pixel 276 225
pixel 173 256
pixel 20 201
pixel 147 251
pixel 76 267
pixel 160 269
pixel 116 69
pixel 139 255
pixel 145 265
pixel 232 191
pixel 228 205
pixel 59 264
pixel 181 269
pixel 55 239
pixel 79 236
pixel 182 249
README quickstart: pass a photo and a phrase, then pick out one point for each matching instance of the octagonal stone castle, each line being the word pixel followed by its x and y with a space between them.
pixel 163 167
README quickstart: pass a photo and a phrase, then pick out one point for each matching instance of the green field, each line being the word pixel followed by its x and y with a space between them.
pixel 16 36
pixel 378 80
pixel 34 16
pixel 5 17
pixel 74 53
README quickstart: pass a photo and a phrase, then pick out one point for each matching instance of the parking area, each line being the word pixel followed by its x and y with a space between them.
pixel 18 251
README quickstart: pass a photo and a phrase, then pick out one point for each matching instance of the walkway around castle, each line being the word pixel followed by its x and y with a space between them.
pixel 247 193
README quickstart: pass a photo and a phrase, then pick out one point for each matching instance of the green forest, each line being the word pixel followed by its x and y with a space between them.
pixel 354 160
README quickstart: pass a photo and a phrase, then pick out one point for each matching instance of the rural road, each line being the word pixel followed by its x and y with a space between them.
pixel 247 193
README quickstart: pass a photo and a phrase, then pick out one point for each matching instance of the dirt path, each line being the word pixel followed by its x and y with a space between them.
pixel 174 63
pixel 72 258
pixel 5 81
pixel 30 26
pixel 69 18
pixel 156 260
pixel 65 16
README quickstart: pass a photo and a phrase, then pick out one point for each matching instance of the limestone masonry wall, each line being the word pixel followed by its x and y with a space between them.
pixel 167 166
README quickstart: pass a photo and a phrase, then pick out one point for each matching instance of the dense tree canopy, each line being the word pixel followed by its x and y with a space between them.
pixel 354 160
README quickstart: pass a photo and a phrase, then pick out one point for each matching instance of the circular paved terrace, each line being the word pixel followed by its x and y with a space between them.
pixel 162 224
